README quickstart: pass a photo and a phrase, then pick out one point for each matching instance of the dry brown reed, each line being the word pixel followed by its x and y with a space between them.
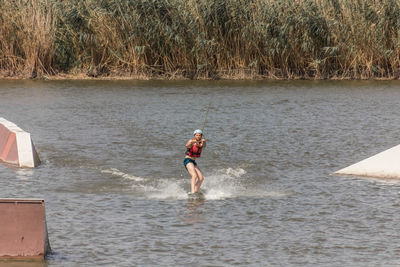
pixel 27 32
pixel 317 39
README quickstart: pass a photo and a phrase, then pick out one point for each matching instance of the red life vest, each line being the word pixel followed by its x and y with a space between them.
pixel 194 151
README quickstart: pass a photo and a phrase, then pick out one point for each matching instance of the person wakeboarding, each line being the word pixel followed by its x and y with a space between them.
pixel 194 148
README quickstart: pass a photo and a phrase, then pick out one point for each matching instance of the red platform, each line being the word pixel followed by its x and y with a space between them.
pixel 23 230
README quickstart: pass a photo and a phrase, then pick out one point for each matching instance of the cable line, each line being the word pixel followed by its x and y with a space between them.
pixel 206 115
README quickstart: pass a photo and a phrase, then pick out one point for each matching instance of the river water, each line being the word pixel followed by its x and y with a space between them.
pixel 116 190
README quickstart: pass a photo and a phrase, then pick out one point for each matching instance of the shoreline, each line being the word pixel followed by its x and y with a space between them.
pixel 239 75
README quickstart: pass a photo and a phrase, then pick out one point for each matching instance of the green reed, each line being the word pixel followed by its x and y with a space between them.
pixel 201 38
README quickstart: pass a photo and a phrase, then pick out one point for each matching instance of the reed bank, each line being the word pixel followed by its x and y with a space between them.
pixel 200 39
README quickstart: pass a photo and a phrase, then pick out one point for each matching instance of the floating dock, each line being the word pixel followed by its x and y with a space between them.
pixel 16 146
pixel 23 231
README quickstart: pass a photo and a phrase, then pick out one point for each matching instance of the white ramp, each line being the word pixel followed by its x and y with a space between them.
pixel 383 165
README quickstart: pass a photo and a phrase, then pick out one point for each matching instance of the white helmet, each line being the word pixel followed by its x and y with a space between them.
pixel 198 131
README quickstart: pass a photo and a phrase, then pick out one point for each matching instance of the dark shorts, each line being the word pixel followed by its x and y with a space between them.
pixel 187 160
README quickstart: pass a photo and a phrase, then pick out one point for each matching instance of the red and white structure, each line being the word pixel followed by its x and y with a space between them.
pixel 16 146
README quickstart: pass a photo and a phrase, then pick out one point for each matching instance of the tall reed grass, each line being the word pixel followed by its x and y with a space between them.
pixel 201 38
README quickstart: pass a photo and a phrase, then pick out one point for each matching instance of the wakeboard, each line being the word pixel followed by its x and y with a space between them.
pixel 198 195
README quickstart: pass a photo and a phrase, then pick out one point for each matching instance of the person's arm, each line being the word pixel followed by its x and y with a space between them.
pixel 190 143
pixel 203 143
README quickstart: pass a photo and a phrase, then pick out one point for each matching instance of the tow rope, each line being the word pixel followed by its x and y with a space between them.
pixel 206 115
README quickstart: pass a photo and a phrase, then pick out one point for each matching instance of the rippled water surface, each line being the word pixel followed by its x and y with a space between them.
pixel 115 187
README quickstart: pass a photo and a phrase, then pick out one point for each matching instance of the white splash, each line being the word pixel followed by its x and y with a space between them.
pixel 223 184
pixel 167 189
pixel 235 172
pixel 217 185
pixel 119 173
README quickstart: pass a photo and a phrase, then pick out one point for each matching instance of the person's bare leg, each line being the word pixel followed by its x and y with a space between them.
pixel 193 173
pixel 199 180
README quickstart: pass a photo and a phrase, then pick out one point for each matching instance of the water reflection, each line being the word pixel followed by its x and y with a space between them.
pixel 24 174
pixel 21 173
pixel 194 212
pixel 23 263
pixel 8 166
